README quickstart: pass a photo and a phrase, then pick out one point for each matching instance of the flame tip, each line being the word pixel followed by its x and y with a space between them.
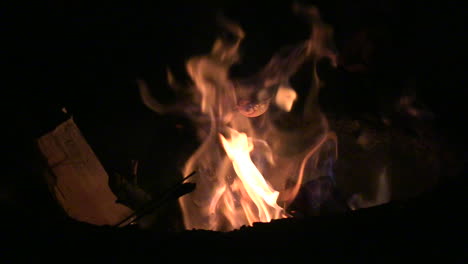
pixel 243 177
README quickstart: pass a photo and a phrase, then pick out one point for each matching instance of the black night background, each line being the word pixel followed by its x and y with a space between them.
pixel 86 57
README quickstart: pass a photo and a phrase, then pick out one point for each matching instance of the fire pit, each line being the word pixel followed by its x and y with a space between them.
pixel 302 134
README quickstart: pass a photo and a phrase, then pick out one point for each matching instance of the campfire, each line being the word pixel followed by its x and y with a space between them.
pixel 147 130
pixel 268 149
pixel 258 147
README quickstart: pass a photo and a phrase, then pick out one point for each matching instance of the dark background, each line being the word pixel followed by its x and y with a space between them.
pixel 87 56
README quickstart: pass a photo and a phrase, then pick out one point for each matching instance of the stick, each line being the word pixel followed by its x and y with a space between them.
pixel 152 204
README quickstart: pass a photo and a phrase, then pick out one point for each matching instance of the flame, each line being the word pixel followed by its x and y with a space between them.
pixel 249 160
pixel 285 98
pixel 258 190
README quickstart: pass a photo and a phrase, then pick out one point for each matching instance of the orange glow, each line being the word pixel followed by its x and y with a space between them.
pixel 249 162
pixel 285 98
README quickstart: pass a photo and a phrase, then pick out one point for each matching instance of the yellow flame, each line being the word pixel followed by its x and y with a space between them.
pixel 238 148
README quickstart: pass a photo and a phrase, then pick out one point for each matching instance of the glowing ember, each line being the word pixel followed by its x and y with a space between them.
pixel 285 98
pixel 248 166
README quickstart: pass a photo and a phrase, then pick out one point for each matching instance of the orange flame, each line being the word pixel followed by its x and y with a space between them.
pixel 248 166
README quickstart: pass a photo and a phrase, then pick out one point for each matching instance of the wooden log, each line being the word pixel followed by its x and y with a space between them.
pixel 80 182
